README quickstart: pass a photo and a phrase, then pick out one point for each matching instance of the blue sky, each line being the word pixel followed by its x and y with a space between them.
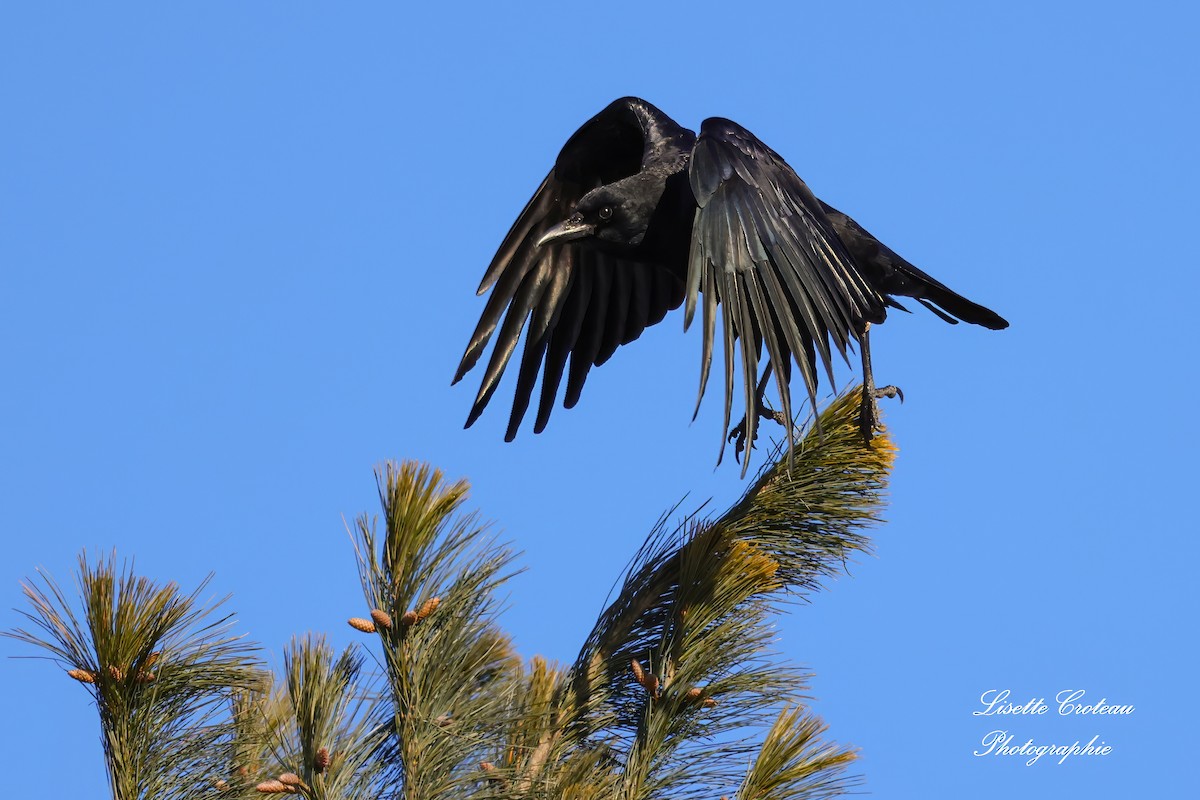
pixel 238 251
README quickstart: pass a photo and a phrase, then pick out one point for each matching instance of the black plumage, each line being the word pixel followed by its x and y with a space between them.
pixel 638 216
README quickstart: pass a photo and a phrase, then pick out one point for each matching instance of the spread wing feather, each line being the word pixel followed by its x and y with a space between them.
pixel 763 249
pixel 577 304
pixel 574 303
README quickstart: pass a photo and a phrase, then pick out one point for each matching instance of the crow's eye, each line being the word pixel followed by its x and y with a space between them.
pixel 606 212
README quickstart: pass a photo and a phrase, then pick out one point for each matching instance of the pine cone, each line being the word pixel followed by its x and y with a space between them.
pixel 82 675
pixel 291 779
pixel 428 607
pixel 364 625
pixel 272 787
pixel 409 619
pixel 321 762
pixel 382 619
pixel 116 673
pixel 639 674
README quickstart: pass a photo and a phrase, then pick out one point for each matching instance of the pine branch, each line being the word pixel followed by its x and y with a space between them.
pixel 320 732
pixel 794 764
pixel 431 583
pixel 681 661
pixel 160 668
pixel 811 518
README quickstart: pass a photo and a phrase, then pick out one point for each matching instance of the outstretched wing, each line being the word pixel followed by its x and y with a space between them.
pixel 579 303
pixel 763 249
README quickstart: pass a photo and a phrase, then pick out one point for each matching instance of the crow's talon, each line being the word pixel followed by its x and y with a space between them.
pixel 889 392
pixel 737 435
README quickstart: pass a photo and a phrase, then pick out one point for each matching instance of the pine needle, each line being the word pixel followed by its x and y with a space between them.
pixel 166 731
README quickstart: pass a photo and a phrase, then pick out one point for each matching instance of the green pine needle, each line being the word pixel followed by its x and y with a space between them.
pixel 161 668
pixel 795 764
pixel 447 671
pixel 662 702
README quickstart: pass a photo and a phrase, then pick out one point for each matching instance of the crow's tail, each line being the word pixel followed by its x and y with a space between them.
pixel 946 303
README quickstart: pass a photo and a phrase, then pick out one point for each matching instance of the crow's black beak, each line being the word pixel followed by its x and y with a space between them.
pixel 571 228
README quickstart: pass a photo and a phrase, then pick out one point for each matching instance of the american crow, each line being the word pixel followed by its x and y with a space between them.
pixel 638 216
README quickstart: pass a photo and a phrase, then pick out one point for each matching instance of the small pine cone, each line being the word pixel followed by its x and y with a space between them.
pixel 639 674
pixel 272 787
pixel 291 779
pixel 116 673
pixel 364 625
pixel 444 721
pixel 428 607
pixel 321 762
pixel 709 702
pixel 409 619
pixel 146 677
pixel 487 766
pixel 382 619
pixel 82 675
pixel 221 786
pixel 694 694
pixel 652 686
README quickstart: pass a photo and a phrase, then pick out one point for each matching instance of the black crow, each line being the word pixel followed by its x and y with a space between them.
pixel 638 216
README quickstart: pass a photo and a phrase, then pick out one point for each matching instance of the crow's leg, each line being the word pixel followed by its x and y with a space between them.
pixel 869 412
pixel 738 434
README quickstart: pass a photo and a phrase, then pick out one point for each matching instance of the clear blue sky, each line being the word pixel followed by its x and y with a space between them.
pixel 238 251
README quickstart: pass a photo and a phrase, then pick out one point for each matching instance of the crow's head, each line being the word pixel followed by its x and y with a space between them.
pixel 616 215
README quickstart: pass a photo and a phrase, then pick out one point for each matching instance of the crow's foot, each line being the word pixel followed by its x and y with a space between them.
pixel 737 434
pixel 868 418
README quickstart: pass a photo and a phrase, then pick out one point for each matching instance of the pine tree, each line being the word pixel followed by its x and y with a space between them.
pixel 676 692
